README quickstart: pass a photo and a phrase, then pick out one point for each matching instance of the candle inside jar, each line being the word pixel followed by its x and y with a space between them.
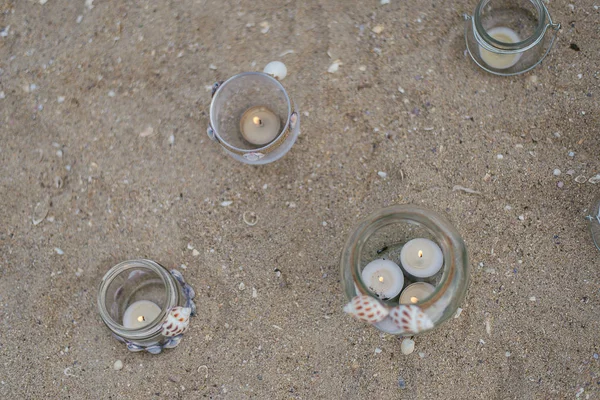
pixel 384 277
pixel 140 314
pixel 421 258
pixel 259 125
pixel 496 60
pixel 416 292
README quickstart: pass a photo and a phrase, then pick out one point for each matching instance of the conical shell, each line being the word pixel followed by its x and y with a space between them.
pixel 410 318
pixel 367 309
pixel 177 321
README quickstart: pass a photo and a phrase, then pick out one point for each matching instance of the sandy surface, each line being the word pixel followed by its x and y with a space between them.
pixel 114 195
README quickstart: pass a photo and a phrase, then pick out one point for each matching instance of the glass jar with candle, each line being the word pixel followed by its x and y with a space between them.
pixel 253 118
pixel 594 219
pixel 145 305
pixel 431 256
pixel 509 37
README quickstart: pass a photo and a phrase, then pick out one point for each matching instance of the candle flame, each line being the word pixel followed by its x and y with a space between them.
pixel 381 279
pixel 141 318
pixel 257 121
pixel 413 299
pixel 420 253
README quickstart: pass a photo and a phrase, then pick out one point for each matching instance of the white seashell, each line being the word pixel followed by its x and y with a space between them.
pixel 253 156
pixel 407 346
pixel 39 212
pixel 276 69
pixel 367 309
pixel 177 321
pixel 333 68
pixel 410 318
pixel 594 179
pixel 293 120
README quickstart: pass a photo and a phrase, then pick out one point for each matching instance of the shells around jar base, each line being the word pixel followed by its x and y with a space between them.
pixel 136 280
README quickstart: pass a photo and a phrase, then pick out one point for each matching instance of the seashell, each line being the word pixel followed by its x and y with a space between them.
pixel 177 321
pixel 39 212
pixel 276 69
pixel 253 156
pixel 407 346
pixel 211 133
pixel 293 120
pixel 367 309
pixel 410 318
pixel 215 87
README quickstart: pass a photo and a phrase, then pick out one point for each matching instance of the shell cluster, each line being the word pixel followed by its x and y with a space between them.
pixel 178 321
pixel 409 318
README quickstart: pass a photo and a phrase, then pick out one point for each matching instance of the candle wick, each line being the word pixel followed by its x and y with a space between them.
pixel 381 279
pixel 141 318
pixel 420 254
pixel 257 121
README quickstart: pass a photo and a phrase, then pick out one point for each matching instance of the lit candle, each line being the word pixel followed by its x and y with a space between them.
pixel 501 61
pixel 140 314
pixel 416 292
pixel 384 277
pixel 259 125
pixel 421 258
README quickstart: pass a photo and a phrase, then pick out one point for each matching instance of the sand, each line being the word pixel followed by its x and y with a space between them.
pixel 103 119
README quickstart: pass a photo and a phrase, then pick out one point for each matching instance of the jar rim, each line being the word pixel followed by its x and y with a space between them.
pixel 455 277
pixel 275 141
pixel 156 326
pixel 524 44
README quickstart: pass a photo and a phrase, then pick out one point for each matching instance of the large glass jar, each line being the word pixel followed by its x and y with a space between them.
pixel 160 300
pixel 382 235
pixel 509 37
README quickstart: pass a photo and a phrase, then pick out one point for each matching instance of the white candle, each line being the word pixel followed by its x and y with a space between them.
pixel 501 61
pixel 416 292
pixel 421 258
pixel 259 125
pixel 384 277
pixel 140 314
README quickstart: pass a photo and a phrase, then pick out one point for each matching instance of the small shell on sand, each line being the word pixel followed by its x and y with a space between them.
pixel 407 346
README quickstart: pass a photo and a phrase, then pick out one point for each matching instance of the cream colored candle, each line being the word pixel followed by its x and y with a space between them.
pixel 501 61
pixel 140 314
pixel 259 125
pixel 384 277
pixel 416 292
pixel 421 258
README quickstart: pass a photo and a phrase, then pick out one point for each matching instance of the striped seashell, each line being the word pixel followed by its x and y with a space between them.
pixel 410 318
pixel 367 309
pixel 177 321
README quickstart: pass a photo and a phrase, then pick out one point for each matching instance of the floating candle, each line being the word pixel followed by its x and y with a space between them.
pixel 140 314
pixel 497 60
pixel 384 277
pixel 421 258
pixel 259 125
pixel 416 292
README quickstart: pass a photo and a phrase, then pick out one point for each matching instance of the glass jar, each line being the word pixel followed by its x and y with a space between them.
pixel 382 235
pixel 164 294
pixel 594 219
pixel 231 102
pixel 509 37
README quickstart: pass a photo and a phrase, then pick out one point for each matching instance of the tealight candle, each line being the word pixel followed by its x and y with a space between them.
pixel 259 125
pixel 496 60
pixel 416 292
pixel 384 277
pixel 421 258
pixel 140 314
